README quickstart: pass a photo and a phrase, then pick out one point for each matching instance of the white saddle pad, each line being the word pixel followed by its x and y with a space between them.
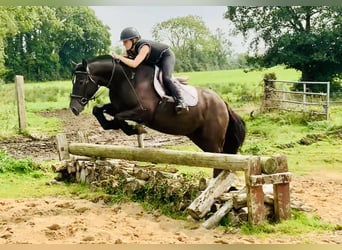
pixel 189 93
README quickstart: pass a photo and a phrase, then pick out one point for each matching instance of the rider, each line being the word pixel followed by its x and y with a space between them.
pixel 153 53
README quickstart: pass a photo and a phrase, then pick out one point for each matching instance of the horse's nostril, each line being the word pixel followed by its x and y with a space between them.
pixel 75 111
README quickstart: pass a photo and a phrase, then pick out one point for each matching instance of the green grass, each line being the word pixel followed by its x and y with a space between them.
pixel 38 124
pixel 238 85
pixel 300 223
pixel 238 76
pixel 23 178
pixel 36 185
pixel 39 97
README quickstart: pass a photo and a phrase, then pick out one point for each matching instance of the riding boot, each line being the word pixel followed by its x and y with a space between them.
pixel 179 101
pixel 180 105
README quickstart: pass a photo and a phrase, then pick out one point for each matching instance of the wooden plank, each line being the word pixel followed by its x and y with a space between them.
pixel 19 87
pixel 281 193
pixel 231 162
pixel 239 200
pixel 62 147
pixel 215 219
pixel 279 178
pixel 268 165
pixel 202 204
pixel 140 139
pixel 255 194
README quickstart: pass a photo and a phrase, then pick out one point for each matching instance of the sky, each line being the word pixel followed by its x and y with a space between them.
pixel 143 18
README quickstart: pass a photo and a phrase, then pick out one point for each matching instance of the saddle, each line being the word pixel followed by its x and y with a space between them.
pixel 189 93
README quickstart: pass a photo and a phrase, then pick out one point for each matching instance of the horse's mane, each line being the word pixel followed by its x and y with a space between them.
pixel 106 58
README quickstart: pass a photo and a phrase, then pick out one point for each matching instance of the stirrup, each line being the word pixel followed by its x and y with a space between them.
pixel 180 107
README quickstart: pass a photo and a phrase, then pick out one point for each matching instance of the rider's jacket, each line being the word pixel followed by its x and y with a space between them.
pixel 156 53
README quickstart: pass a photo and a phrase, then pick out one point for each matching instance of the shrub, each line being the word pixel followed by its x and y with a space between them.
pixel 9 164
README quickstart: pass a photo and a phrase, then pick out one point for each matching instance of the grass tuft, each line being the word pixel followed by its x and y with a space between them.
pixel 21 166
pixel 299 223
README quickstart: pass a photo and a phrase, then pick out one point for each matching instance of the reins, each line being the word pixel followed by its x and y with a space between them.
pixel 113 71
pixel 132 87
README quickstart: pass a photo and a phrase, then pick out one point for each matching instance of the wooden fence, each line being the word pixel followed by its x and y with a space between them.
pixel 258 170
pixel 20 96
pixel 306 101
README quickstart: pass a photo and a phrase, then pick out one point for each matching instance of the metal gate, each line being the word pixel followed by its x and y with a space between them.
pixel 278 95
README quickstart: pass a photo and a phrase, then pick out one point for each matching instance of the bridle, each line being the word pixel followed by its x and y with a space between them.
pixel 85 100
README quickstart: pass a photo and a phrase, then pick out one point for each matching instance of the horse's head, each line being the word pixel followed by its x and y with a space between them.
pixel 99 71
pixel 83 89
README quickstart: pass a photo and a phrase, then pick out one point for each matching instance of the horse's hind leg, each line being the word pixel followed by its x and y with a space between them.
pixel 211 136
pixel 210 139
pixel 128 129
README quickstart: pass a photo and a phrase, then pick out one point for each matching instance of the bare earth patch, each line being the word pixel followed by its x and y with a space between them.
pixel 67 220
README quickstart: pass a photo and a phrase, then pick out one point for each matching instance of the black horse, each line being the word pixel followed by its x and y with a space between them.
pixel 210 123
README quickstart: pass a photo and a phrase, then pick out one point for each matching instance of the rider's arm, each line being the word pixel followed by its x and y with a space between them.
pixel 133 63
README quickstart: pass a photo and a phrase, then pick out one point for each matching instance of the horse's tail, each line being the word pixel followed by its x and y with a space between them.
pixel 235 134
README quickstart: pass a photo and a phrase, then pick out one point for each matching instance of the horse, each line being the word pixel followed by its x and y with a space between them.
pixel 210 124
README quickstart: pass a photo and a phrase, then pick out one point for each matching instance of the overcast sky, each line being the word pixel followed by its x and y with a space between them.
pixel 145 17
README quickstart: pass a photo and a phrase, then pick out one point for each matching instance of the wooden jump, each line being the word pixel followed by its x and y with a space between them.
pixel 258 170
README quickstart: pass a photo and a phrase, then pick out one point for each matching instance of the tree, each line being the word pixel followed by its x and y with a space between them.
pixel 8 27
pixel 306 38
pixel 195 47
pixel 82 36
pixel 46 40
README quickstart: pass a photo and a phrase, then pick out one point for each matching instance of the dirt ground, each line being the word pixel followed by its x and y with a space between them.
pixel 67 220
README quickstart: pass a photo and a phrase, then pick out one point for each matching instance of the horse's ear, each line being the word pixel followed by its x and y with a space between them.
pixel 84 63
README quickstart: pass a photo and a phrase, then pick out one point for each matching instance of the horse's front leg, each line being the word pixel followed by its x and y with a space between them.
pixel 115 123
pixel 99 111
pixel 136 114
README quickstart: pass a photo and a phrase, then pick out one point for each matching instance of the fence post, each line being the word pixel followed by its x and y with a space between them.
pixel 281 192
pixel 328 101
pixel 304 97
pixel 19 87
pixel 62 147
pixel 255 194
pixel 140 139
pixel 268 94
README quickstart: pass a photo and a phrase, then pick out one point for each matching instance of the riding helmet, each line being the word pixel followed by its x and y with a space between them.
pixel 129 33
